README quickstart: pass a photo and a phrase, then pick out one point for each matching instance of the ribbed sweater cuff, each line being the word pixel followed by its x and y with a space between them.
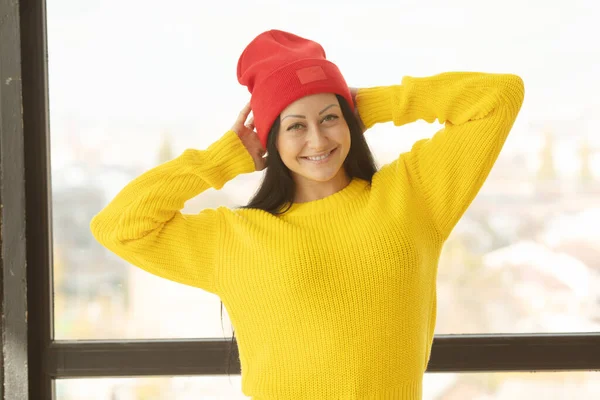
pixel 375 104
pixel 228 158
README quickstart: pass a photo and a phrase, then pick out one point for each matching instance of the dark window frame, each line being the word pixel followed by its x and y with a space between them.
pixel 24 22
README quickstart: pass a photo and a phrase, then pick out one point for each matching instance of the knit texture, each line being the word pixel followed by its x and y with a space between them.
pixel 278 68
pixel 336 299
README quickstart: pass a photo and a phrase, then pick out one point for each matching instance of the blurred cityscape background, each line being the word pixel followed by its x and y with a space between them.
pixel 133 84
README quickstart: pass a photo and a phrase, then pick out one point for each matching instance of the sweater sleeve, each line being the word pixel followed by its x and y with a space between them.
pixel 144 225
pixel 478 111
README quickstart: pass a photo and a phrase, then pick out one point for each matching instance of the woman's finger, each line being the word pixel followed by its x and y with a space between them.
pixel 243 115
pixel 250 122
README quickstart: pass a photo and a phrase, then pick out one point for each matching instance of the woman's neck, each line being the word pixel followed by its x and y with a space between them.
pixel 311 190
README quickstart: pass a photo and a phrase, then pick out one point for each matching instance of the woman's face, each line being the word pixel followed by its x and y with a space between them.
pixel 314 138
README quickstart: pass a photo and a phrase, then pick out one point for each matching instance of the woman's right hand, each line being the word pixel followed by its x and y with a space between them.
pixel 249 137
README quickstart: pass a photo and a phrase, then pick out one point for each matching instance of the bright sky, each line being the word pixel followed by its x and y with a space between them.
pixel 124 72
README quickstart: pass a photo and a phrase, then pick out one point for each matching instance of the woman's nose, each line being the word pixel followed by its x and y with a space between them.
pixel 316 138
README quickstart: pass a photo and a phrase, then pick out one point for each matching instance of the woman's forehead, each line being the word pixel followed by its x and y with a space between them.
pixel 311 104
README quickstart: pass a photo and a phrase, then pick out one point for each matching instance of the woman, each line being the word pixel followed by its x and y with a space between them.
pixel 329 274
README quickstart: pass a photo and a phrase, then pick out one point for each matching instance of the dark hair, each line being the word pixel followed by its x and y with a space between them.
pixel 276 192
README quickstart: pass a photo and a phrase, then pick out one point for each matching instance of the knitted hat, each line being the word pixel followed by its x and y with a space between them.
pixel 279 68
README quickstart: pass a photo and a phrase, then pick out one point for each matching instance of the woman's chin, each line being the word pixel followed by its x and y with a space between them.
pixel 320 176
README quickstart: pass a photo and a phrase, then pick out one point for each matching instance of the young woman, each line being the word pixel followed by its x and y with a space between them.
pixel 329 273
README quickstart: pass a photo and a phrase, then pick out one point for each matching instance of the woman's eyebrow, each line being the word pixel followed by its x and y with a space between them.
pixel 327 108
pixel 303 116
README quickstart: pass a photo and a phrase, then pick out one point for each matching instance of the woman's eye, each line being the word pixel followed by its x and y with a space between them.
pixel 294 127
pixel 330 117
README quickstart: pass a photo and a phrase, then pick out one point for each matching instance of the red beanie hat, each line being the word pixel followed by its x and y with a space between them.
pixel 279 68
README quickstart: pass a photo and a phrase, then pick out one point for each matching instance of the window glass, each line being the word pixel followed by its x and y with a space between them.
pixel 134 83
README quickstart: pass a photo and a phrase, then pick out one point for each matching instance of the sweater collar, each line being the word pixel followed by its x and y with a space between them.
pixel 338 200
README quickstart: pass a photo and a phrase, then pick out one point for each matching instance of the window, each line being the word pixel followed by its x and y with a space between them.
pixel 449 386
pixel 128 84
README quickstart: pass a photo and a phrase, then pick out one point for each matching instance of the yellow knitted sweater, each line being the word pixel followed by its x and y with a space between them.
pixel 336 299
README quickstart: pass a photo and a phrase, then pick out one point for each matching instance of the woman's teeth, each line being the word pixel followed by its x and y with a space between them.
pixel 319 158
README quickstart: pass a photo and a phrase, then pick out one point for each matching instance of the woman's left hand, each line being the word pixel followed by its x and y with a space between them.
pixel 353 92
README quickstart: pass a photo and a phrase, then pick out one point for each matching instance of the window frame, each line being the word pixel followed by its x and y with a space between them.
pixel 13 289
pixel 28 153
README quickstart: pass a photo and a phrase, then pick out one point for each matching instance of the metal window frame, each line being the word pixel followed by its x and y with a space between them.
pixel 13 288
pixel 450 353
pixel 23 42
